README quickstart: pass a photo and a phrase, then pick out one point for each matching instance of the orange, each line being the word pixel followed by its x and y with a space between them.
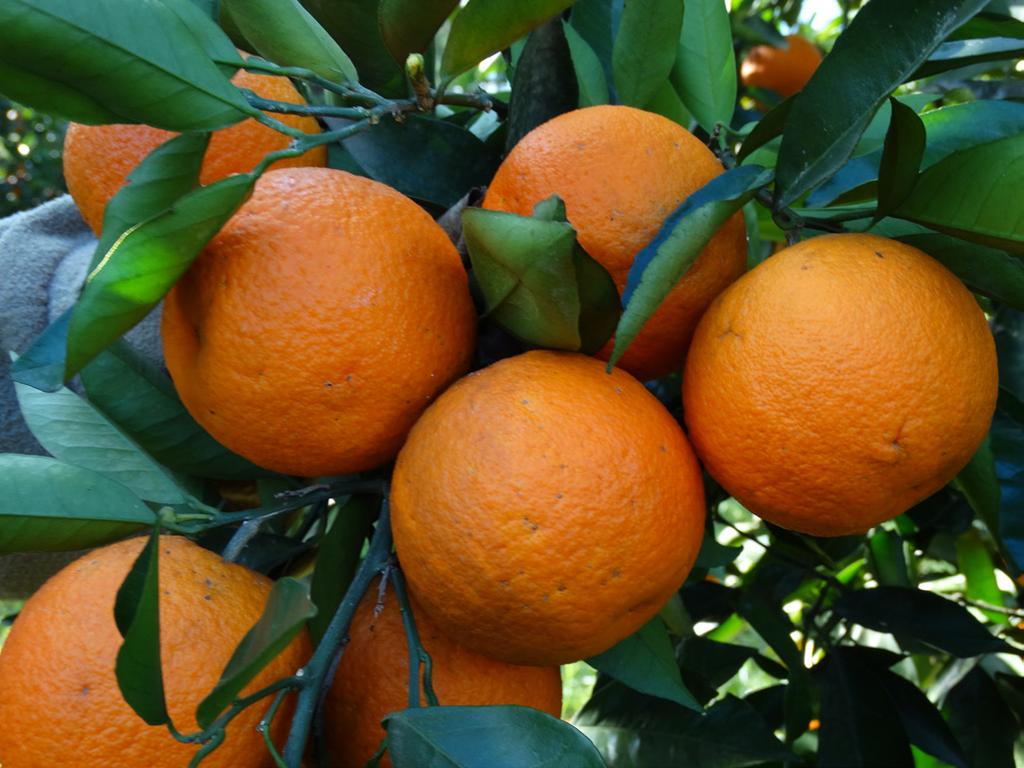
pixel 621 171
pixel 373 680
pixel 544 509
pixel 319 323
pixel 61 705
pixel 839 383
pixel 98 158
pixel 781 70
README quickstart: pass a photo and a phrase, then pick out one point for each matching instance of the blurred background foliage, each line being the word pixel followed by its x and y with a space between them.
pixel 30 157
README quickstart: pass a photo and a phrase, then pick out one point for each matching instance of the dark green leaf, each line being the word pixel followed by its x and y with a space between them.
pixel 972 194
pixel 980 484
pixel 964 53
pixel 664 261
pixel 645 661
pixel 286 33
pixel 983 723
pixel 424 158
pixel 597 22
pixel 136 272
pixel 484 27
pixel 72 430
pixel 860 726
pixel 355 26
pixel 901 158
pixel 922 616
pixel 645 48
pixel 42 365
pixel 535 279
pixel 408 26
pixel 215 42
pixel 706 665
pixel 715 555
pixel 666 102
pixel 501 737
pixel 115 61
pixel 883 45
pixel 47 505
pixel 768 127
pixel 337 559
pixel 887 558
pixel 634 731
pixel 545 83
pixel 137 614
pixel 140 399
pixel 705 70
pixel 287 610
pixel 590 77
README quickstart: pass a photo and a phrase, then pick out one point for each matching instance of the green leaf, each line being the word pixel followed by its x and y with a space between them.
pixel 920 615
pixel 409 26
pixel 631 730
pixel 972 194
pixel 115 61
pixel 597 22
pixel 137 614
pixel 665 260
pixel 136 272
pixel 888 560
pixel 901 158
pixel 484 27
pixel 287 610
pixel 537 281
pixel 47 505
pixel 354 25
pixel 980 484
pixel 590 77
pixel 922 722
pixel 715 555
pixel 705 70
pixel 646 662
pixel 501 737
pixel 666 102
pixel 860 727
pixel 42 364
pixel 982 721
pixel 73 431
pixel 286 33
pixel 140 399
pixel 881 47
pixel 964 53
pixel 976 564
pixel 425 158
pixel 768 127
pixel 544 85
pixel 706 665
pixel 197 15
pixel 337 559
pixel 645 48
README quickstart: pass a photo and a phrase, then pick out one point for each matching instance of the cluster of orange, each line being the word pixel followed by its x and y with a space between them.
pixel 543 508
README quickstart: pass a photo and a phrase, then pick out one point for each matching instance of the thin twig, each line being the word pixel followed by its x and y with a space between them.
pixel 418 655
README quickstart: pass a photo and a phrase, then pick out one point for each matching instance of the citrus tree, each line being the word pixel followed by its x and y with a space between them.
pixel 798 543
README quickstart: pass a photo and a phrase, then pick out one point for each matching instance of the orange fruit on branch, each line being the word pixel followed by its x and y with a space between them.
pixel 784 71
pixel 621 172
pixel 373 680
pixel 544 509
pixel 61 705
pixel 319 323
pixel 99 158
pixel 839 383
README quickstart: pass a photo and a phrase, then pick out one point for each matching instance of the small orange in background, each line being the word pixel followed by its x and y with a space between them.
pixel 544 509
pixel 99 158
pixel 373 680
pixel 839 383
pixel 621 172
pixel 784 71
pixel 61 705
pixel 319 323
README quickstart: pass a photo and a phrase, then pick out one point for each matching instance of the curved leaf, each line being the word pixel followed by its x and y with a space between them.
pixel 705 70
pixel 590 77
pixel 498 737
pixel 409 26
pixel 645 48
pixel 47 505
pixel 883 45
pixel 115 61
pixel 484 27
pixel 901 158
pixel 964 53
pixel 545 85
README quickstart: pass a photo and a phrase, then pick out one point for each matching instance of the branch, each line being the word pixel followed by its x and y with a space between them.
pixel 418 656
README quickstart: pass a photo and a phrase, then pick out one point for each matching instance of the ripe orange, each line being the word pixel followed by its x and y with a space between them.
pixel 373 680
pixel 543 509
pixel 840 382
pixel 61 705
pixel 319 323
pixel 781 70
pixel 98 158
pixel 621 171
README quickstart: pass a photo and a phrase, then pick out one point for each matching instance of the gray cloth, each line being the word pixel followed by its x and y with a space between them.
pixel 44 255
